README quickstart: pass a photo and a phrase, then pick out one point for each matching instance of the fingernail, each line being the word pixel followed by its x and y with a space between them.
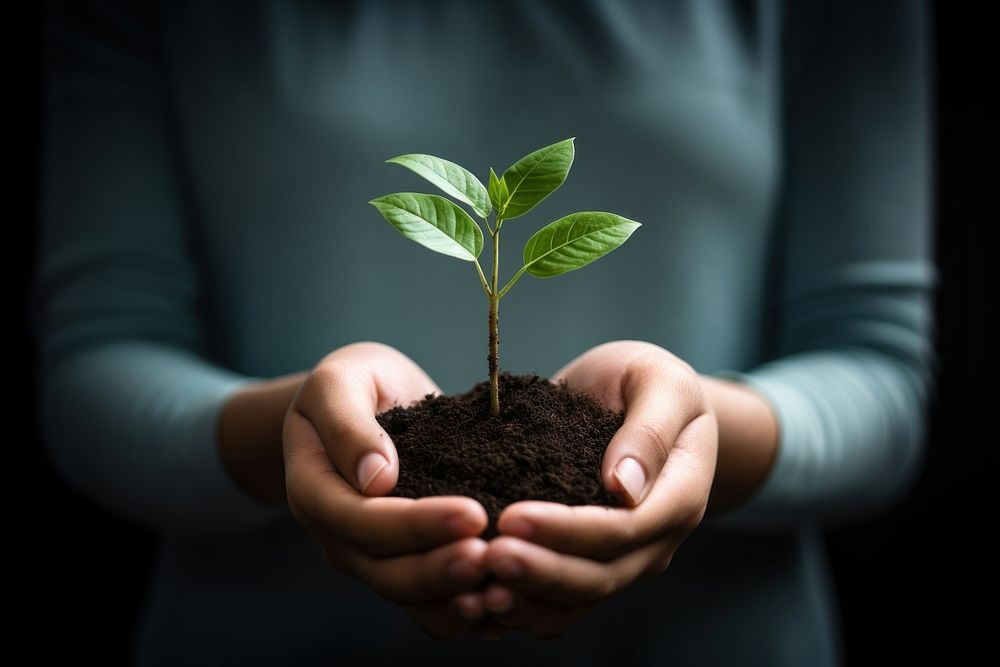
pixel 632 478
pixel 509 568
pixel 369 468
pixel 518 528
pixel 462 571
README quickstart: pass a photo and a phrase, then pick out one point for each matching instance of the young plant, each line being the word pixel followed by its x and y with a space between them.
pixel 437 223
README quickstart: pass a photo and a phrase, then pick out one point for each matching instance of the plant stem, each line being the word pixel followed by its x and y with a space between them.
pixel 494 356
pixel 513 280
pixel 482 279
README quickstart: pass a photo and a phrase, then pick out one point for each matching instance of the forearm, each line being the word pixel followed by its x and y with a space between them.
pixel 748 442
pixel 133 425
pixel 249 437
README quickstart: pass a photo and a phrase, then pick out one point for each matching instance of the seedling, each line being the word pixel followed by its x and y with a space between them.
pixel 440 224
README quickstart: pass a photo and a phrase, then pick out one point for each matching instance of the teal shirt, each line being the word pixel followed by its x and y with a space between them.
pixel 206 172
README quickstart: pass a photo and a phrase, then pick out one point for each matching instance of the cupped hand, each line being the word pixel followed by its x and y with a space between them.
pixel 553 562
pixel 421 554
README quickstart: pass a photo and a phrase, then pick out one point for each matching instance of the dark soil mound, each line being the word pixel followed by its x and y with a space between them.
pixel 547 444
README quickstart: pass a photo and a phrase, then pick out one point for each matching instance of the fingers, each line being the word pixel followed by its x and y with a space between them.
pixel 390 526
pixel 660 398
pixel 534 617
pixel 450 570
pixel 341 398
pixel 395 526
pixel 583 555
pixel 418 553
pixel 674 507
pixel 320 498
pixel 572 580
pixel 599 533
pixel 448 618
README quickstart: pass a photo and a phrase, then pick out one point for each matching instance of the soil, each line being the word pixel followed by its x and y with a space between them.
pixel 547 444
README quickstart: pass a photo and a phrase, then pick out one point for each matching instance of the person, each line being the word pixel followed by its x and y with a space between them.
pixel 220 315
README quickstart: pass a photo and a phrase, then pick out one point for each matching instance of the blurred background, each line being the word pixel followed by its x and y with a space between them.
pixel 905 580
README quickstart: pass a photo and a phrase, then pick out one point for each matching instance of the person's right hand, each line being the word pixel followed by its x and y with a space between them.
pixel 421 554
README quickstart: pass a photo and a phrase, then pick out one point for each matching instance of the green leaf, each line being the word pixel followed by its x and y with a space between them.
pixel 535 176
pixel 574 241
pixel 503 192
pixel 434 222
pixel 494 190
pixel 451 178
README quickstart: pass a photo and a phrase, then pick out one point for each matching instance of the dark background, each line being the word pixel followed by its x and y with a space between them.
pixel 905 579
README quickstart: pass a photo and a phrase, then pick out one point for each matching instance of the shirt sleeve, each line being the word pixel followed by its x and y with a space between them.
pixel 128 399
pixel 853 362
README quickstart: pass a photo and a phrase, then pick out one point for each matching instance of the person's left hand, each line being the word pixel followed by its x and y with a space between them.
pixel 554 562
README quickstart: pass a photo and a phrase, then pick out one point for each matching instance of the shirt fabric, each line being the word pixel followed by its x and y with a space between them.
pixel 206 173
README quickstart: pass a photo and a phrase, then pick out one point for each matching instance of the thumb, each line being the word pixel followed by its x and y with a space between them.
pixel 658 406
pixel 341 404
pixel 360 449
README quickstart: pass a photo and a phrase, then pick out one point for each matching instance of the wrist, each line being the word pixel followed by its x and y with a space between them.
pixel 249 436
pixel 748 442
